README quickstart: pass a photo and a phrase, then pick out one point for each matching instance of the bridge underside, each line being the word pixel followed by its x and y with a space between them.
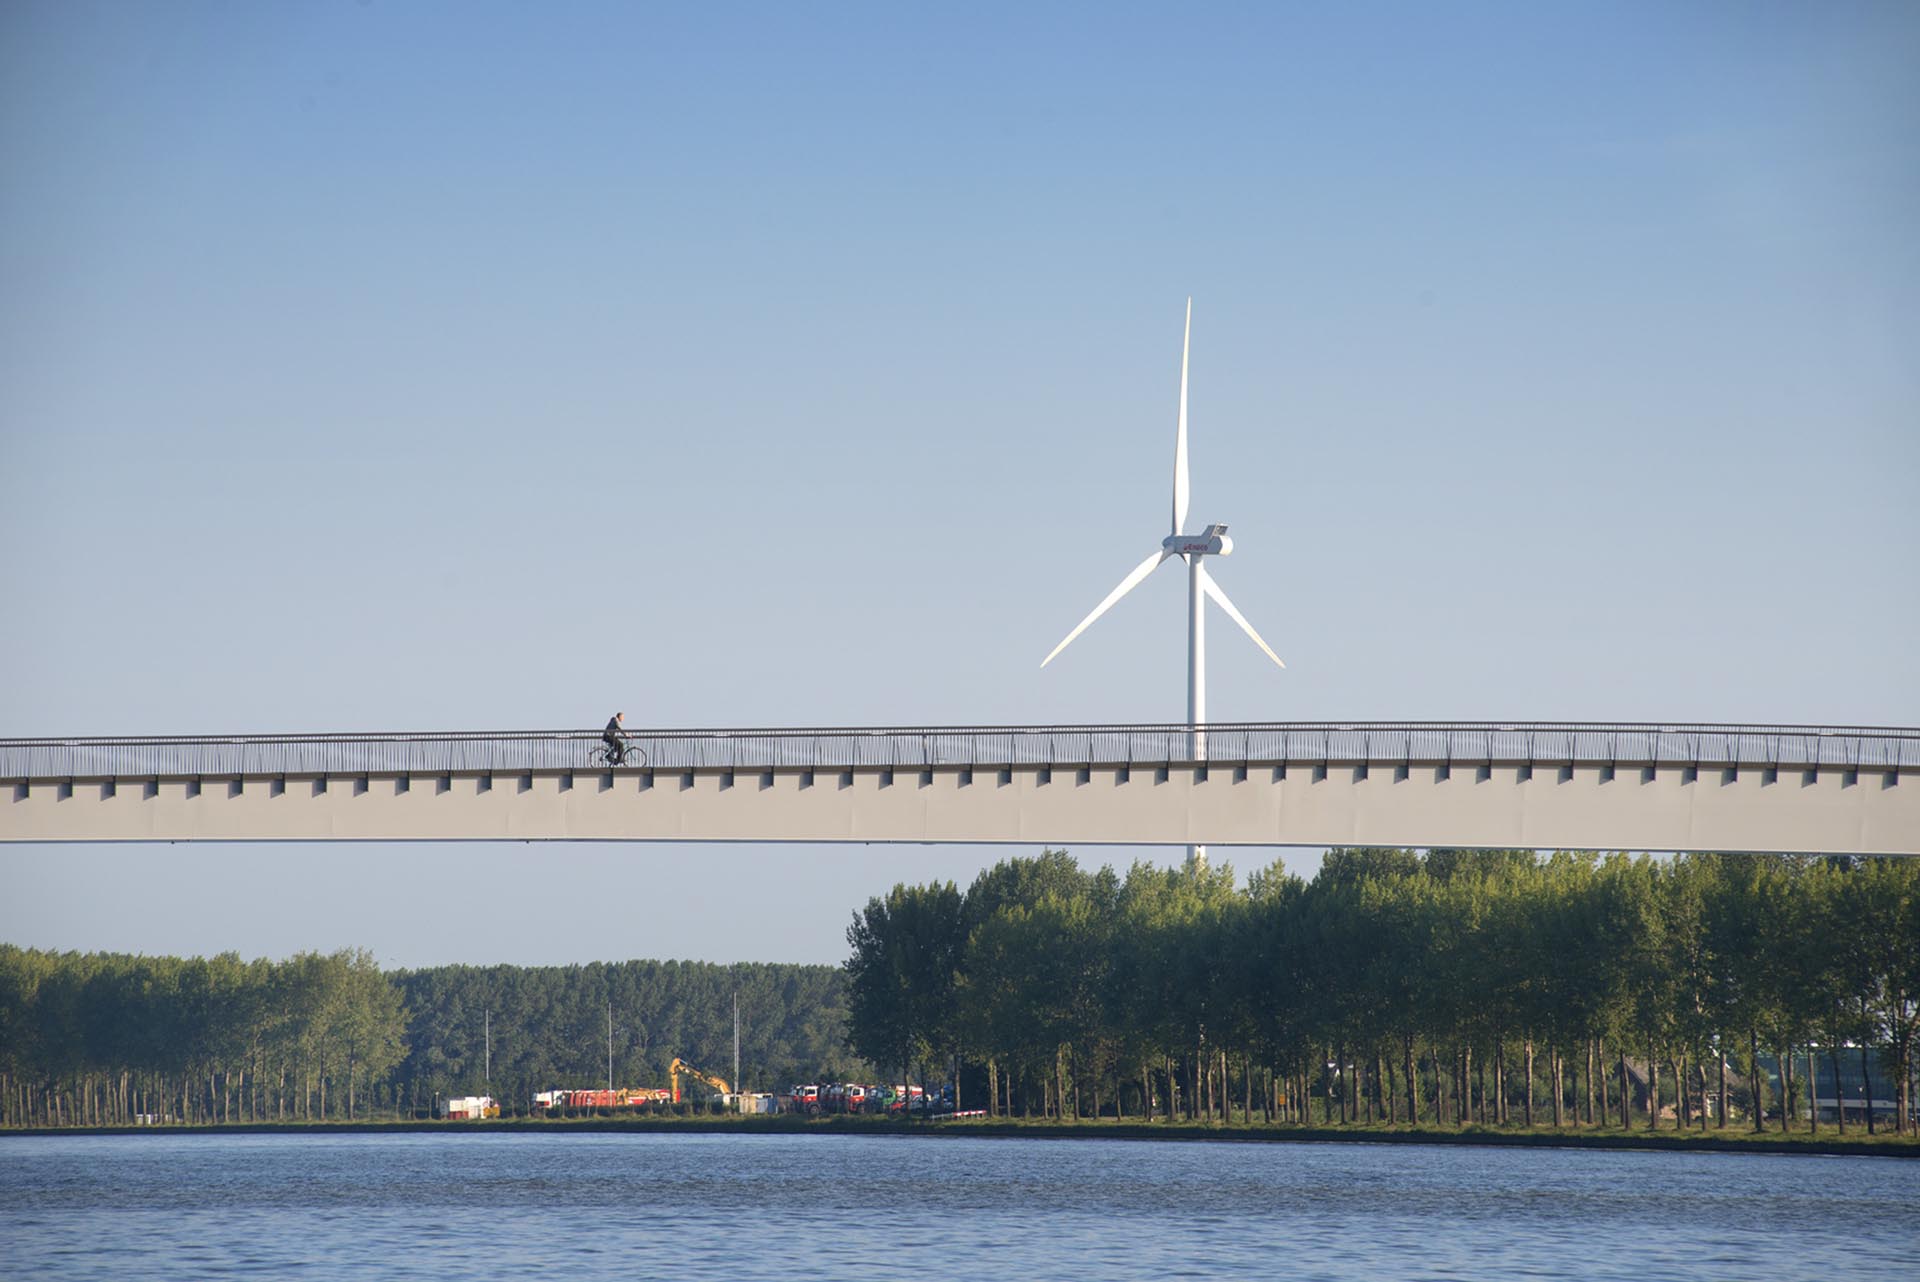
pixel 1574 805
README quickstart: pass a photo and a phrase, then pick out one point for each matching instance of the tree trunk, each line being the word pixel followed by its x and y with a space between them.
pixel 1653 1090
pixel 1413 1085
pixel 1721 1055
pixel 1462 1100
pixel 1839 1092
pixel 1813 1093
pixel 1559 1085
pixel 1465 1108
pixel 1600 1078
pixel 1784 1058
pixel 1786 1087
pixel 1866 1084
pixel 1907 1083
pixel 1338 1084
pixel 1527 1099
pixel 1905 1091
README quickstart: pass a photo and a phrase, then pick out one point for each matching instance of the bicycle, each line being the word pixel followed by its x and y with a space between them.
pixel 626 755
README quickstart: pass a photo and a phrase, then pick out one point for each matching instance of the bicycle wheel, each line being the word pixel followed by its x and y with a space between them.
pixel 629 756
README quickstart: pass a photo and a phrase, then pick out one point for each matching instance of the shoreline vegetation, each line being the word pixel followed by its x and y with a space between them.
pixel 104 1038
pixel 1431 992
pixel 1575 991
pixel 1735 1141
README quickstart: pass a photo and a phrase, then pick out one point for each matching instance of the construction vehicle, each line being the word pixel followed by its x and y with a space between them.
pixel 680 1068
pixel 643 1097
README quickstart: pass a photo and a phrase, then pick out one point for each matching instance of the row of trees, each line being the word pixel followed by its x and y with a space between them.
pixel 1486 986
pixel 110 1039
pixel 548 1026
pixel 107 1038
pixel 1450 985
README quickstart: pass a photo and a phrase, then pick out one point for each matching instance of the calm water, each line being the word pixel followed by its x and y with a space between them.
pixel 589 1207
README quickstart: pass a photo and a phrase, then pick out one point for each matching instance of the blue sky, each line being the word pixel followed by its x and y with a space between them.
pixel 377 366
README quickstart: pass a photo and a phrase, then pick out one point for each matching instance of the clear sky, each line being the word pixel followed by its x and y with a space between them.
pixel 412 366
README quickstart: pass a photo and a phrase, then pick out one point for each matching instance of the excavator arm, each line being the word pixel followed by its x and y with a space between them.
pixel 680 1068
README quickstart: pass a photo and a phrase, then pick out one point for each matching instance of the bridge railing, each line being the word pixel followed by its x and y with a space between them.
pixel 1353 742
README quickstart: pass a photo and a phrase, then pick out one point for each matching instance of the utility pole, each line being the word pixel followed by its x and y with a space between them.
pixel 487 1016
pixel 736 1049
pixel 609 1045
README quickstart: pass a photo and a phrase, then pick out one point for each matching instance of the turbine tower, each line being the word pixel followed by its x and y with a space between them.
pixel 1193 549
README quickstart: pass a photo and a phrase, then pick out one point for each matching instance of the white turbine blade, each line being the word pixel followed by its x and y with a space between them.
pixel 1127 585
pixel 1212 589
pixel 1180 439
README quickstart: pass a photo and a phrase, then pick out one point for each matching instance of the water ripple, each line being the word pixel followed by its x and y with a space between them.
pixel 446 1208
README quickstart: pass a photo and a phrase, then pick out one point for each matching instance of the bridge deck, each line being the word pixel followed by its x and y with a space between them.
pixel 1634 787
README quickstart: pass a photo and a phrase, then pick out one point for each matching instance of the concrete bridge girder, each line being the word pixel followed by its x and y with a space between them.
pixel 1219 803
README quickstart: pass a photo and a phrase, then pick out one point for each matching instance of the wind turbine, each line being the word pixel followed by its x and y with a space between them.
pixel 1193 549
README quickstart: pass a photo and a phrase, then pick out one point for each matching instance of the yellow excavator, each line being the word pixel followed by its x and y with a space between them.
pixel 680 1068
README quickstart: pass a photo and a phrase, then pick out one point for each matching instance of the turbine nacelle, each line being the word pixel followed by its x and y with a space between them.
pixel 1212 541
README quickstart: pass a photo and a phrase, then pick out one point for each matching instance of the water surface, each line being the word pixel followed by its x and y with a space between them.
pixel 586 1207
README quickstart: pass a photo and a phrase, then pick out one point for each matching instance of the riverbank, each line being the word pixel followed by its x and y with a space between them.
pixel 1826 1143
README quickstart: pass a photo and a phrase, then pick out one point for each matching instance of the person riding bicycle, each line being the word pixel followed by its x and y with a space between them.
pixel 615 737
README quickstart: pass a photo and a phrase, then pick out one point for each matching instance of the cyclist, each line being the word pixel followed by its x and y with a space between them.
pixel 615 737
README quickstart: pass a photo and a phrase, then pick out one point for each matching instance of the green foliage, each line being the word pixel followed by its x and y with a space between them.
pixel 105 1038
pixel 549 1025
pixel 102 1037
pixel 1091 986
pixel 902 974
pixel 1393 978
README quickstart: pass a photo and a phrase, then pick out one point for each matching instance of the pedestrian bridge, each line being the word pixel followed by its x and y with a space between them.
pixel 1542 785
